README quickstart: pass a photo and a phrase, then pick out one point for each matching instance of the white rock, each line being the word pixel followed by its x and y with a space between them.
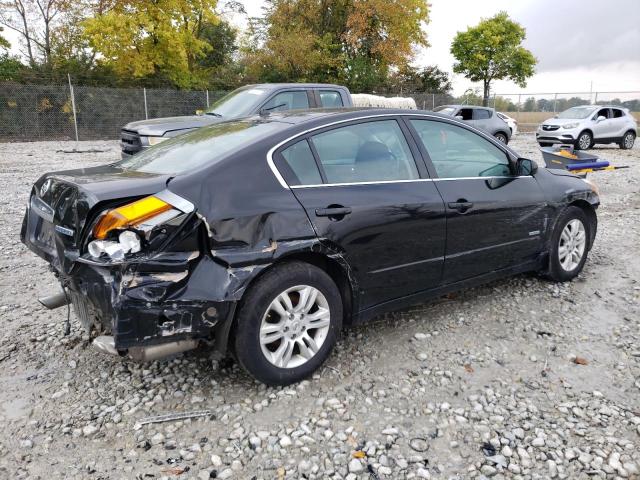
pixel 285 441
pixel 355 466
pixel 89 430
pixel 216 461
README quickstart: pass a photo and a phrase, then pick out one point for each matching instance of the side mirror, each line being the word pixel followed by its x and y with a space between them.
pixel 600 119
pixel 524 166
pixel 459 117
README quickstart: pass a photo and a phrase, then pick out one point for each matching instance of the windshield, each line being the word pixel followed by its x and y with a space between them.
pixel 576 112
pixel 445 110
pixel 239 103
pixel 204 146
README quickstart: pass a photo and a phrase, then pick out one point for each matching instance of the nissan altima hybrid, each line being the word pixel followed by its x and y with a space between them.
pixel 264 237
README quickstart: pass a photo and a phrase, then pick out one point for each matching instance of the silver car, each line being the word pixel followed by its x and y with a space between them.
pixel 484 118
pixel 586 125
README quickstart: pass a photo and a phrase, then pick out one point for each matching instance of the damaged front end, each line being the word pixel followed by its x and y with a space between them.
pixel 139 273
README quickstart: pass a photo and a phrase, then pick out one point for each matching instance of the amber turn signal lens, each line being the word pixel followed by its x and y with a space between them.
pixel 130 214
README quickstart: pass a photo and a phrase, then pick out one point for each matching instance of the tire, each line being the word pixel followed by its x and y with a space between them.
pixel 561 270
pixel 627 141
pixel 501 137
pixel 584 141
pixel 286 335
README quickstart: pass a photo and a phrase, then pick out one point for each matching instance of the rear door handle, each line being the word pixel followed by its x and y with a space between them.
pixel 461 206
pixel 333 211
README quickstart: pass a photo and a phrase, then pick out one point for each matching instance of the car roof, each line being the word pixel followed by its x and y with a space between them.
pixel 465 106
pixel 276 86
pixel 297 117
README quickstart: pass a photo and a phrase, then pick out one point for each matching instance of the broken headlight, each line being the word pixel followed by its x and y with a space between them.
pixel 128 225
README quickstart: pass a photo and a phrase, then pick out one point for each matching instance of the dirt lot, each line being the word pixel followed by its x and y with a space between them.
pixel 521 378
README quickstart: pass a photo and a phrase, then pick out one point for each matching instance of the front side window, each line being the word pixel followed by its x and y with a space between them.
pixel 459 153
pixel 465 113
pixel 330 99
pixel 294 99
pixel 366 152
pixel 603 112
pixel 300 161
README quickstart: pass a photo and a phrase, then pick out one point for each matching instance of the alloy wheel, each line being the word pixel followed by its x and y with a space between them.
pixel 628 140
pixel 585 141
pixel 295 326
pixel 572 245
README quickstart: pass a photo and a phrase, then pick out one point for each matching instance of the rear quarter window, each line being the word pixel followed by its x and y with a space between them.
pixel 298 165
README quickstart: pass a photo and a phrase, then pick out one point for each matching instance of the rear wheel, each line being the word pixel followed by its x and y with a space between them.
pixel 569 245
pixel 288 323
pixel 501 137
pixel 584 141
pixel 628 141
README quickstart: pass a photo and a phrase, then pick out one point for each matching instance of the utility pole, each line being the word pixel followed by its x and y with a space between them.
pixel 73 106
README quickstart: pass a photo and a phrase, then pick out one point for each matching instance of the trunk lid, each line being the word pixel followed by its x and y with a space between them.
pixel 62 203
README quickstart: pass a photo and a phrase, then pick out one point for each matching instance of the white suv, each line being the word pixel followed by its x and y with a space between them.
pixel 587 125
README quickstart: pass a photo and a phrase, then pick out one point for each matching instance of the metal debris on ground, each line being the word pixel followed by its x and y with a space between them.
pixel 171 417
pixel 419 444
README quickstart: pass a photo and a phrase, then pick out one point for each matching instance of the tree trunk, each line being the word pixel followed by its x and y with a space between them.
pixel 486 83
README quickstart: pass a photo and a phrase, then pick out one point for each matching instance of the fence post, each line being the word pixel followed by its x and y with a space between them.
pixel 494 100
pixel 73 106
pixel 207 97
pixel 555 99
pixel 146 113
pixel 595 101
pixel 519 97
pixel 433 101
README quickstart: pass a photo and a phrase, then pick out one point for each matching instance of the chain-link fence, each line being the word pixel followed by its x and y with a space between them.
pixel 55 112
pixel 51 112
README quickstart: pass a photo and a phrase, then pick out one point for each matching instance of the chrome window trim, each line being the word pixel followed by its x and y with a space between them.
pixel 284 184
pixel 383 182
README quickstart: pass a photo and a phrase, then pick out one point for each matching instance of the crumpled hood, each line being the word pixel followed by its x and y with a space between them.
pixel 160 126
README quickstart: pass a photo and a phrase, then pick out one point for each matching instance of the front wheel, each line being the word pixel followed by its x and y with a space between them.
pixel 627 141
pixel 584 141
pixel 569 245
pixel 288 323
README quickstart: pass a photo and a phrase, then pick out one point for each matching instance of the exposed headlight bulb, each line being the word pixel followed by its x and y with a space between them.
pixel 128 242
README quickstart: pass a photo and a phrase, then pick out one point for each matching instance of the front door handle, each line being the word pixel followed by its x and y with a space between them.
pixel 333 212
pixel 461 205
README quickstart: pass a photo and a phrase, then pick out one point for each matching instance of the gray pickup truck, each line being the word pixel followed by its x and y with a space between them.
pixel 242 102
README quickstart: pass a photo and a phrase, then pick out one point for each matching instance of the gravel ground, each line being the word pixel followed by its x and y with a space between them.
pixel 520 378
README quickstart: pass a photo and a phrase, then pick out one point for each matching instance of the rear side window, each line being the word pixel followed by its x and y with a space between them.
pixel 617 113
pixel 288 101
pixel 481 114
pixel 330 98
pixel 365 152
pixel 458 153
pixel 299 159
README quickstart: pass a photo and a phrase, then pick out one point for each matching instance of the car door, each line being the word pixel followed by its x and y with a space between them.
pixel 371 202
pixel 602 128
pixel 482 119
pixel 495 219
pixel 619 123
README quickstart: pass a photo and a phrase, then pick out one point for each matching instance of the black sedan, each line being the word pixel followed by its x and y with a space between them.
pixel 265 236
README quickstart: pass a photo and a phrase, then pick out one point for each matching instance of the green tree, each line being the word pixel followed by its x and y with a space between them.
pixel 357 42
pixel 160 39
pixel 426 80
pixel 4 43
pixel 492 50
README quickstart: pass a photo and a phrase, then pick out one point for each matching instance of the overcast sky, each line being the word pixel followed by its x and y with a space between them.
pixel 577 42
